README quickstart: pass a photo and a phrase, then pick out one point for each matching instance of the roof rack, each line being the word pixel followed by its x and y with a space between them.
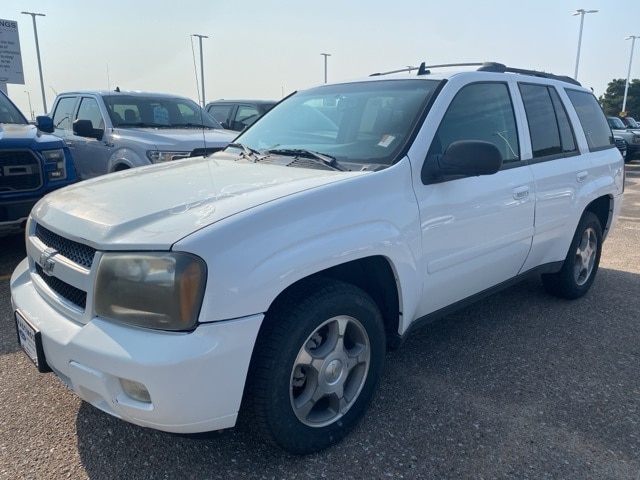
pixel 496 67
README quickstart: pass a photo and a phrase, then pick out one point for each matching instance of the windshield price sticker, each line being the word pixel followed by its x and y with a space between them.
pixel 31 343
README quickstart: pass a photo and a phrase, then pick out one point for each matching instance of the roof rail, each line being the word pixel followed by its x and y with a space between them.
pixel 424 69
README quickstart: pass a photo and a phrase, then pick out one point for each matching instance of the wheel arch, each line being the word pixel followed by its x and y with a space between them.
pixel 602 207
pixel 374 275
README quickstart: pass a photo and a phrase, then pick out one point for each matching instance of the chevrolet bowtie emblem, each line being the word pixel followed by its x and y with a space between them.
pixel 46 260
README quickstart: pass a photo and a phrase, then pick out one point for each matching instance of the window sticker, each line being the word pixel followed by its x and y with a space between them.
pixel 160 115
pixel 386 140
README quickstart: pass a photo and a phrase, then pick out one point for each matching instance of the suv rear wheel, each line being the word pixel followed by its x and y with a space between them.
pixel 581 264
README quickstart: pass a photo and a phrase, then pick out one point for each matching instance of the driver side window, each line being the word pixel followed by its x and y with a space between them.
pixel 63 113
pixel 480 111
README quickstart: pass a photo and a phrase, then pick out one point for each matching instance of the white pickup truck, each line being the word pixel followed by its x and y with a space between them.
pixel 269 279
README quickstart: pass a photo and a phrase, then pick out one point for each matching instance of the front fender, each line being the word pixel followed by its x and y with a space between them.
pixel 126 158
pixel 254 256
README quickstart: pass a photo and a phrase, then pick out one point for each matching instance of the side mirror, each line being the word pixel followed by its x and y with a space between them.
pixel 84 128
pixel 464 158
pixel 44 123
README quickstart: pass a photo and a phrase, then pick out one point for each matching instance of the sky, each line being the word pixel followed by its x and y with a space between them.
pixel 269 48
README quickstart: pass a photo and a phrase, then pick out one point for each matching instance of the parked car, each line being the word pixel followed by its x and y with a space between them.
pixel 108 131
pixel 238 114
pixel 32 164
pixel 269 279
pixel 630 122
pixel 631 137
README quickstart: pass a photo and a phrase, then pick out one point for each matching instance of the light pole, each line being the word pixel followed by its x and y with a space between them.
pixel 35 33
pixel 580 12
pixel 325 55
pixel 200 37
pixel 30 109
pixel 623 113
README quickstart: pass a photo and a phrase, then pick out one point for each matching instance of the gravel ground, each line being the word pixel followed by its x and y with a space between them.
pixel 519 386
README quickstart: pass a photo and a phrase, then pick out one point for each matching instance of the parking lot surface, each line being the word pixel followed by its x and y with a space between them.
pixel 519 386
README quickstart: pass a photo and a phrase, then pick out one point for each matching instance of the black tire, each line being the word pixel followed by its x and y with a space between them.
pixel 316 366
pixel 581 263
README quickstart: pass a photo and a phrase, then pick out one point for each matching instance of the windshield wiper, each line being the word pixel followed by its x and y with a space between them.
pixel 192 125
pixel 247 152
pixel 322 158
pixel 142 125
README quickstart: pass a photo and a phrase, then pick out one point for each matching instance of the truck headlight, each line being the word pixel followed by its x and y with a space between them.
pixel 55 164
pixel 159 156
pixel 161 290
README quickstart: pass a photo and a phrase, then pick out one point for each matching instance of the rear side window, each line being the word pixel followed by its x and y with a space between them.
pixel 480 111
pixel 549 126
pixel 592 119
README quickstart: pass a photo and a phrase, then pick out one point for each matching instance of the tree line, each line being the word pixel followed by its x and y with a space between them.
pixel 613 98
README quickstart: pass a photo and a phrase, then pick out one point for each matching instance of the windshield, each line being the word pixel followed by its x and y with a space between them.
pixel 9 113
pixel 632 123
pixel 159 112
pixel 361 123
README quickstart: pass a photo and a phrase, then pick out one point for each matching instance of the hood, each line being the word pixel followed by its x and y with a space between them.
pixel 178 138
pixel 26 136
pixel 153 207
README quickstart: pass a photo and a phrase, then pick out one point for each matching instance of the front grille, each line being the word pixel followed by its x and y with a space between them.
pixel 20 171
pixel 74 251
pixel 621 144
pixel 203 152
pixel 69 292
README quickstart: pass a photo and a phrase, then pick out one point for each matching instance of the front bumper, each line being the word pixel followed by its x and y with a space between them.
pixel 195 380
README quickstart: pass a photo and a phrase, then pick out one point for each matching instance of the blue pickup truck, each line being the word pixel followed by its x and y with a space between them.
pixel 32 164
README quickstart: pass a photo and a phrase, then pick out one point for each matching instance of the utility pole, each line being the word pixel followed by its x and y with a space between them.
pixel 35 33
pixel 325 55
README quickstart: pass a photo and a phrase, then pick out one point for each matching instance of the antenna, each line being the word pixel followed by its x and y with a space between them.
pixel 195 70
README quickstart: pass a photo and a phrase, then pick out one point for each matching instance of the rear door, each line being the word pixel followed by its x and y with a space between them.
pixel 565 178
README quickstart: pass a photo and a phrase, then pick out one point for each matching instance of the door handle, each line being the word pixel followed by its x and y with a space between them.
pixel 582 176
pixel 521 192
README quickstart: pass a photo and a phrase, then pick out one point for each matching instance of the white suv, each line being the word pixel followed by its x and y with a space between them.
pixel 109 131
pixel 274 275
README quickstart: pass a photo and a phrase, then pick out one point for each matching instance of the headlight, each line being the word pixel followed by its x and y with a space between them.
pixel 55 164
pixel 161 290
pixel 158 156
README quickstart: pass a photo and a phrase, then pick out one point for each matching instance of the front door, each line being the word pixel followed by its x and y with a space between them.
pixel 476 231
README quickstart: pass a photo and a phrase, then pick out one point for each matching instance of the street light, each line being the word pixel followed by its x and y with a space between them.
pixel 200 37
pixel 626 85
pixel 325 55
pixel 35 33
pixel 580 12
pixel 30 109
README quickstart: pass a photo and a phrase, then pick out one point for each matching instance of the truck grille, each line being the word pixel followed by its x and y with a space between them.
pixel 66 291
pixel 74 251
pixel 621 144
pixel 20 171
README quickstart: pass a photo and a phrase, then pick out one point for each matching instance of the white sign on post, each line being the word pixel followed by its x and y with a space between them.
pixel 10 57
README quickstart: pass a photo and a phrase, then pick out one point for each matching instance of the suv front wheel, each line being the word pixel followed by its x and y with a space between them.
pixel 316 366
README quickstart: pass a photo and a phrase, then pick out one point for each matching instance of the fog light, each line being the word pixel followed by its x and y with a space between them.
pixel 135 390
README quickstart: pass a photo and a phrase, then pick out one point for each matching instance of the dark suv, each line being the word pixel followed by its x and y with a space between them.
pixel 238 114
pixel 32 164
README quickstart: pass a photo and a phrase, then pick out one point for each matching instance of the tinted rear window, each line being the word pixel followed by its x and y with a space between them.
pixel 592 118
